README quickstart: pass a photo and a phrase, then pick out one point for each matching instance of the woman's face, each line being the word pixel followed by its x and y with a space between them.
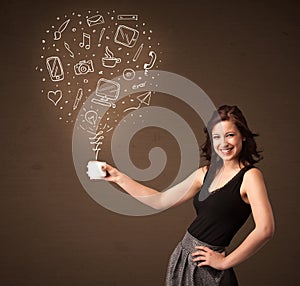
pixel 227 140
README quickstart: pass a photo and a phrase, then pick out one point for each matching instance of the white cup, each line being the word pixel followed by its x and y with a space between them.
pixel 95 171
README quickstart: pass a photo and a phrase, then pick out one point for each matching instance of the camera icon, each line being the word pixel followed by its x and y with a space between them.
pixel 84 67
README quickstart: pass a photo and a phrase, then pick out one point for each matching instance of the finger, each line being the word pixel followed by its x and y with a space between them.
pixel 199 252
pixel 111 170
pixel 107 167
pixel 202 247
pixel 204 263
pixel 200 258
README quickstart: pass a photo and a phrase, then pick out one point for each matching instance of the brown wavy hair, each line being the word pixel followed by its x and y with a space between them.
pixel 249 153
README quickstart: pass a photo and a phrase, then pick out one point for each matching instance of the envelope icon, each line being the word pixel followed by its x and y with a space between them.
pixel 95 20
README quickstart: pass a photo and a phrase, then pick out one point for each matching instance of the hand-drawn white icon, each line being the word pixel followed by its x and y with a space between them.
pixel 55 68
pixel 78 98
pixel 109 60
pixel 138 52
pixel 128 17
pixel 142 84
pixel 128 74
pixel 101 36
pixel 86 41
pixel 67 46
pixel 126 36
pixel 144 98
pixel 95 20
pixel 63 26
pixel 55 96
pixel 148 66
pixel 91 117
pixel 84 67
pixel 97 141
pixel 107 92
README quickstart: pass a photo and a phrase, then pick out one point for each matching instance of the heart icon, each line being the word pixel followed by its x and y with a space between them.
pixel 55 96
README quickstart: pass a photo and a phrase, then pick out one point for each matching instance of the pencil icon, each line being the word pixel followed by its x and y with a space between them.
pixel 138 52
pixel 78 98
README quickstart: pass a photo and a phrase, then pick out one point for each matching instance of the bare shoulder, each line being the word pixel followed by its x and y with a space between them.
pixel 253 182
pixel 253 175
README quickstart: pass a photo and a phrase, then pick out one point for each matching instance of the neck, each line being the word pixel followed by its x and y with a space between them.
pixel 232 164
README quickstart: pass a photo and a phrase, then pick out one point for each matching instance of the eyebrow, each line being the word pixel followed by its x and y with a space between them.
pixel 225 132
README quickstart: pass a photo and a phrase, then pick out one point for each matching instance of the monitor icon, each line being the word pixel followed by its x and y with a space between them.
pixel 107 92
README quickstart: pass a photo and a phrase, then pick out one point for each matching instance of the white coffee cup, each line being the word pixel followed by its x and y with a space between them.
pixel 95 171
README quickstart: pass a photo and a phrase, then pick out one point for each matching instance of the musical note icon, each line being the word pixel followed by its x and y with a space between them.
pixel 86 41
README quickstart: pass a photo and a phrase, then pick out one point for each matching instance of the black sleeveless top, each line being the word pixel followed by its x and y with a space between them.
pixel 222 213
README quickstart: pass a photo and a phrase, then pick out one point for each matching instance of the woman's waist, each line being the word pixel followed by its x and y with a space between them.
pixel 189 242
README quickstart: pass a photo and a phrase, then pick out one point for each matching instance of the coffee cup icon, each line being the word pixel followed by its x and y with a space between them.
pixel 110 62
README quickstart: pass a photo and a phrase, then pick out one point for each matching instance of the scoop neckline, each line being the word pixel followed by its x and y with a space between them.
pixel 218 189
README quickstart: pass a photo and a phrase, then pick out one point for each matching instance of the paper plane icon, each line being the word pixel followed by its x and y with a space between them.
pixel 145 98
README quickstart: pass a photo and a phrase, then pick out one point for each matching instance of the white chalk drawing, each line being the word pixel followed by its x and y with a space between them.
pixel 138 52
pixel 144 98
pixel 153 57
pixel 128 17
pixel 109 60
pixel 101 36
pixel 91 117
pixel 55 68
pixel 78 98
pixel 107 92
pixel 128 74
pixel 95 20
pixel 63 26
pixel 68 58
pixel 86 41
pixel 55 96
pixel 96 140
pixel 67 46
pixel 84 67
pixel 126 36
pixel 140 85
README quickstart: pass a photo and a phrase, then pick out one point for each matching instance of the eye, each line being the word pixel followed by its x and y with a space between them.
pixel 215 137
pixel 230 134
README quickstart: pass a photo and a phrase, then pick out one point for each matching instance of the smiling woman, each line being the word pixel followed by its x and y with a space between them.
pixel 225 193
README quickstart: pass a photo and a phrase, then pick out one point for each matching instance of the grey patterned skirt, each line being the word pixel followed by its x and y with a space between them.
pixel 183 271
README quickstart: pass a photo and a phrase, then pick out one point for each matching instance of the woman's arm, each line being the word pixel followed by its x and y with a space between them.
pixel 254 186
pixel 153 198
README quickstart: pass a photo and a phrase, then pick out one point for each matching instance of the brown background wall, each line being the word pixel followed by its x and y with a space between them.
pixel 52 233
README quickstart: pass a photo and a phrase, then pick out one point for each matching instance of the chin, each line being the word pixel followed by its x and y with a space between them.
pixel 227 157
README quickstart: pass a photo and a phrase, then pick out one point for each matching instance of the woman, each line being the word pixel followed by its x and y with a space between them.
pixel 225 193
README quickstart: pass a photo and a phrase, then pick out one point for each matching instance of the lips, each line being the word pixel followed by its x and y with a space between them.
pixel 226 151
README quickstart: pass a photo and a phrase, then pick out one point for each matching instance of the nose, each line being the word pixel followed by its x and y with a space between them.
pixel 224 142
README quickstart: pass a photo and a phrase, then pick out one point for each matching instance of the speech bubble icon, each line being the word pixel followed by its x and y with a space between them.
pixel 55 96
pixel 91 117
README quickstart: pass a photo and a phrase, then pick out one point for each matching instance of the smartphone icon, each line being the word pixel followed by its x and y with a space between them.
pixel 55 68
pixel 126 36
